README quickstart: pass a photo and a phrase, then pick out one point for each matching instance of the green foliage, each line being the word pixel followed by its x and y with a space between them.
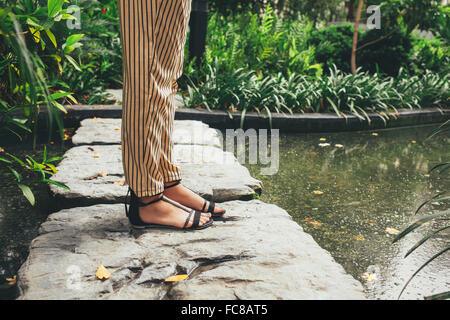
pixel 429 54
pixel 339 92
pixel 266 45
pixel 386 56
pixel 31 53
pixel 333 46
pixel 22 170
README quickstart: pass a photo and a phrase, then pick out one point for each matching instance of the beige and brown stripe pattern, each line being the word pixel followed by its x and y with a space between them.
pixel 153 39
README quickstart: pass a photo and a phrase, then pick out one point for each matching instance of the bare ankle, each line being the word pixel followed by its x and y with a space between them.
pixel 149 199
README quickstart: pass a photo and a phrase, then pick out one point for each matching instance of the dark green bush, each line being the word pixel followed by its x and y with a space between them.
pixel 333 46
pixel 429 54
pixel 388 55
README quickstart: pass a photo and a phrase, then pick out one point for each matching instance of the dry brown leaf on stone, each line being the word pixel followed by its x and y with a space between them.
pixel 178 277
pixel 119 183
pixel 102 273
pixel 90 148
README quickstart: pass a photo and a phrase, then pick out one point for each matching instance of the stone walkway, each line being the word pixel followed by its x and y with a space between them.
pixel 256 252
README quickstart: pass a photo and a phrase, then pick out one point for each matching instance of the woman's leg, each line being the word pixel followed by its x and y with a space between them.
pixel 152 42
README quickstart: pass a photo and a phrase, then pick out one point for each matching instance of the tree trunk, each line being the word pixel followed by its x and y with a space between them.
pixel 355 35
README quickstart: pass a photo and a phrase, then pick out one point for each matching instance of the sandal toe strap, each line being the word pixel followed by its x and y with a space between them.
pixel 188 219
pixel 212 206
pixel 196 221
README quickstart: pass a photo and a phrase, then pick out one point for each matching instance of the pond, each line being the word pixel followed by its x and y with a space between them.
pixel 348 193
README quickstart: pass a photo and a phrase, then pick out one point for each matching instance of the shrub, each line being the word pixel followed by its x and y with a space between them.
pixel 333 46
pixel 386 56
pixel 267 45
pixel 429 54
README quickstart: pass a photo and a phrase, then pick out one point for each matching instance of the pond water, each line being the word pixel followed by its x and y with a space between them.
pixel 347 194
pixel 19 221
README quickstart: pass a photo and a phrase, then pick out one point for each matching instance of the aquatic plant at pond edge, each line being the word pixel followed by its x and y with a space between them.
pixel 442 196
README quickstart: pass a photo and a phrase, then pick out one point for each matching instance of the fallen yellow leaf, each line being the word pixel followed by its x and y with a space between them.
pixel 94 118
pixel 96 155
pixel 323 139
pixel 11 281
pixel 117 129
pixel 426 175
pixel 102 273
pixel 374 134
pixel 317 192
pixel 337 145
pixel 325 144
pixel 369 276
pixel 178 277
pixel 314 222
pixel 359 238
pixel 392 231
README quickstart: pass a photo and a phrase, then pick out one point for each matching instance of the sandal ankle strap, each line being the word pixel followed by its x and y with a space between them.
pixel 143 204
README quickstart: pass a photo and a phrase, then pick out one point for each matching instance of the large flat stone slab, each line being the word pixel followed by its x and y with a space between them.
pixel 256 252
pixel 107 131
pixel 95 175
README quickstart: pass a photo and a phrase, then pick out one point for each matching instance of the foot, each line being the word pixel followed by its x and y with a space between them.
pixel 188 198
pixel 164 213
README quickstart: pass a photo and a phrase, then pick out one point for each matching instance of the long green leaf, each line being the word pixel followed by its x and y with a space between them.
pixel 423 266
pixel 418 223
pixel 27 193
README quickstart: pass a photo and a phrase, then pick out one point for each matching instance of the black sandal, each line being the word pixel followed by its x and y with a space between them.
pixel 133 214
pixel 211 206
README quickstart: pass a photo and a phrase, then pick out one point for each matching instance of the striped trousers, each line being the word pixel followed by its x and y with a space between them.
pixel 153 34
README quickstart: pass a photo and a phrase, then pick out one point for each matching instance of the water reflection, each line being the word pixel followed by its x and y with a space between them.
pixel 345 189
